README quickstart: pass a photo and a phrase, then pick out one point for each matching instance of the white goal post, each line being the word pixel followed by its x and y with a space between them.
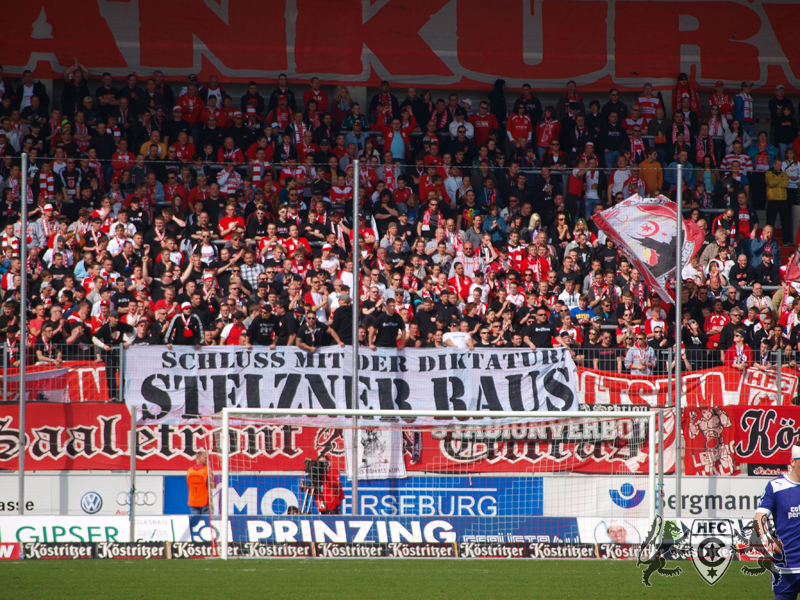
pixel 235 417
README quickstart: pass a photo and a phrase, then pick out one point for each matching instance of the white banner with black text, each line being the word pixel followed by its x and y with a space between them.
pixel 182 384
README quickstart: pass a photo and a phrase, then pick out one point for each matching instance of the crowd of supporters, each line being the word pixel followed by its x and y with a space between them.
pixel 183 216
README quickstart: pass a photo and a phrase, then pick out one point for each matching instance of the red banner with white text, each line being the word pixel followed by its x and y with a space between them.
pixel 723 386
pixel 95 436
pixel 447 43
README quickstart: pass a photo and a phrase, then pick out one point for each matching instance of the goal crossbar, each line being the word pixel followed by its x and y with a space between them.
pixel 450 415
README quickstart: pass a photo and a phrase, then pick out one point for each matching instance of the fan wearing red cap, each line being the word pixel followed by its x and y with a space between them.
pixel 721 100
pixel 282 113
pixel 185 329
pixel 97 321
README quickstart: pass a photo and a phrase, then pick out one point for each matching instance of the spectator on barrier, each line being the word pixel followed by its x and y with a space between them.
pixel 310 335
pixel 261 331
pixel 641 358
pixel 109 339
pixel 47 352
pixel 459 336
pixel 232 332
pixel 200 480
pixel 739 355
pixel 185 329
pixel 388 329
pixel 606 356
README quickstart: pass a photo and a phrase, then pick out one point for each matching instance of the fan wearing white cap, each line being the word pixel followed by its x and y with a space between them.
pixel 186 329
pixel 777 521
pixel 330 262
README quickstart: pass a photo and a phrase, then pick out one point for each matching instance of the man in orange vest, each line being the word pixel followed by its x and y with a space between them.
pixel 198 478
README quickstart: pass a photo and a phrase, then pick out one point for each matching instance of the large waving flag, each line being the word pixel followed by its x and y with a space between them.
pixel 645 230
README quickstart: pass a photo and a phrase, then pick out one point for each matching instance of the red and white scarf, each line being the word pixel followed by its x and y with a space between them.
pixel 747 109
pixel 82 129
pixel 426 218
pixel 410 283
pixel 704 147
pixel 676 131
pixel 47 187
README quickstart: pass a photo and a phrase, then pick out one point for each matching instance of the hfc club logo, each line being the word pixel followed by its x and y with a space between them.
pixel 713 543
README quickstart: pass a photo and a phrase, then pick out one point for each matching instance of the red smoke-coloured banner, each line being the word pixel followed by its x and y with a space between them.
pixel 453 43
pixel 73 381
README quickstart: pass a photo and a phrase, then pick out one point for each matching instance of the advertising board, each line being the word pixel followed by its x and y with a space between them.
pixel 80 493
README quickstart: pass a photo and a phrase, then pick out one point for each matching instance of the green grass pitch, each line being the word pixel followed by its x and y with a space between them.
pixel 353 578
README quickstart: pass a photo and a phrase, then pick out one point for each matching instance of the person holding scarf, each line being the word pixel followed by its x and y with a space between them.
pixel 431 219
pixel 743 108
pixel 682 88
pixel 186 329
pixel 739 356
pixel 641 358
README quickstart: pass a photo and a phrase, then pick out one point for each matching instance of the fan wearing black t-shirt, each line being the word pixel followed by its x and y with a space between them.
pixel 310 334
pixel 112 333
pixel 261 331
pixel 387 329
pixel 541 333
pixel 285 327
pixel 607 356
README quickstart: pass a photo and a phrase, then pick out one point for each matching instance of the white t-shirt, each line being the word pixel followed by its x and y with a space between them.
pixel 690 272
pixel 591 178
pixel 793 171
pixel 571 300
pixel 458 338
pixel 27 93
pixel 331 265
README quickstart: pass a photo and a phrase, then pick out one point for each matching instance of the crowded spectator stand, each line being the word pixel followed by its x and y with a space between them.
pixel 188 217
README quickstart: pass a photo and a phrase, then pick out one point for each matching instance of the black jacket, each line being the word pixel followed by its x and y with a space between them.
pixel 72 98
pixel 258 102
pixel 273 100
pixel 104 144
pixel 38 90
pixel 612 137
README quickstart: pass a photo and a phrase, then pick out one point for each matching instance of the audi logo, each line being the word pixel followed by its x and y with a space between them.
pixel 142 498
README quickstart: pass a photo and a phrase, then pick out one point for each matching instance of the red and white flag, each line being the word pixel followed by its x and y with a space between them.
pixel 645 230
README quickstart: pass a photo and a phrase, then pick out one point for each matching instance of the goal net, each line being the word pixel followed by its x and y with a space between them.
pixel 540 483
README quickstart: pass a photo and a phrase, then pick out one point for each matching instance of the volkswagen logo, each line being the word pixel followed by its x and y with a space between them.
pixel 142 498
pixel 91 503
